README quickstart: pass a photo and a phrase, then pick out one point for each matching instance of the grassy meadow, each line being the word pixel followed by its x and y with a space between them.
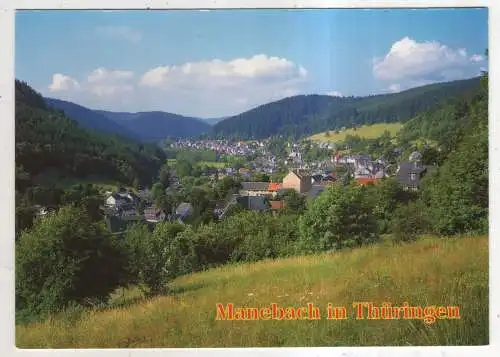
pixel 366 131
pixel 214 164
pixel 432 271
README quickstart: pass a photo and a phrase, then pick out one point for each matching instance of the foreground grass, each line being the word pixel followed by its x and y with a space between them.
pixel 434 271
pixel 366 131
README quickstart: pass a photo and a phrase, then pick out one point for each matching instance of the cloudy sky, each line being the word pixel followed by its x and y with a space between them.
pixel 222 62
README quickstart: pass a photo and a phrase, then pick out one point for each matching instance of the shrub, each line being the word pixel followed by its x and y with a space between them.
pixel 339 217
pixel 409 221
pixel 58 260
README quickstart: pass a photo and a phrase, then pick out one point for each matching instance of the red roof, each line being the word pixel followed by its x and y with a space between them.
pixel 276 205
pixel 274 186
pixel 367 180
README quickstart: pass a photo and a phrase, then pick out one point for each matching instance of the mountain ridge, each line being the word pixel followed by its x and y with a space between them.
pixel 147 126
pixel 308 114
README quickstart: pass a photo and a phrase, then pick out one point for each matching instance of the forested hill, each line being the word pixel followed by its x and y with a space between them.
pixel 143 126
pixel 156 125
pixel 47 140
pixel 308 114
pixel 90 119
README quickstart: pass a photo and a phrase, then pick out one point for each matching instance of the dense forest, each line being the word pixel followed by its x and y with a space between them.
pixel 307 114
pixel 49 141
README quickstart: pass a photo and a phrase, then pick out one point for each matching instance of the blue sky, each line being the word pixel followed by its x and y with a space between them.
pixel 221 62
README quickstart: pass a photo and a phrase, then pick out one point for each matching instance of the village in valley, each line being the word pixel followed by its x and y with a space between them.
pixel 314 162
pixel 263 181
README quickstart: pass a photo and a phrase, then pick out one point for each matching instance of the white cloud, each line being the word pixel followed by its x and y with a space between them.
pixel 410 62
pixel 103 75
pixel 119 33
pixel 223 87
pixel 225 72
pixel 60 82
pixel 335 93
pixel 477 58
pixel 103 82
pixel 205 88
pixel 395 88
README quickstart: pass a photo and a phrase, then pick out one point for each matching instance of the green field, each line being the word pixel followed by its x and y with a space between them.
pixel 366 131
pixel 218 165
pixel 442 272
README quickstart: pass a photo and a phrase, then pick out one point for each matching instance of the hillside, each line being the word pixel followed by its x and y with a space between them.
pixel 308 114
pixel 90 119
pixel 366 131
pixel 156 126
pixel 49 141
pixel 442 272
pixel 143 126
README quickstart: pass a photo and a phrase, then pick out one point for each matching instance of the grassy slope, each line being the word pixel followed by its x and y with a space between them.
pixel 366 131
pixel 432 271
pixel 214 164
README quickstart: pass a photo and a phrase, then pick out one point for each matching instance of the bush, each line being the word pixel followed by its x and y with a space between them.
pixel 339 217
pixel 409 221
pixel 149 255
pixel 58 260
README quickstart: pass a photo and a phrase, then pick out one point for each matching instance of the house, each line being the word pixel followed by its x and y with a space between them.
pixel 121 200
pixel 367 180
pixel 255 189
pixel 277 205
pixel 184 210
pixel 154 214
pixel 115 200
pixel 41 211
pixel 297 180
pixel 253 203
pixel 409 175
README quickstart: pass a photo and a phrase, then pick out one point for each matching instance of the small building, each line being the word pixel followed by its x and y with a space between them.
pixel 154 214
pixel 367 180
pixel 121 200
pixel 409 175
pixel 255 189
pixel 277 205
pixel 184 210
pixel 298 180
pixel 254 203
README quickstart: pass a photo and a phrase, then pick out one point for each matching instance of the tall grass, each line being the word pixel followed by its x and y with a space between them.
pixel 451 271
